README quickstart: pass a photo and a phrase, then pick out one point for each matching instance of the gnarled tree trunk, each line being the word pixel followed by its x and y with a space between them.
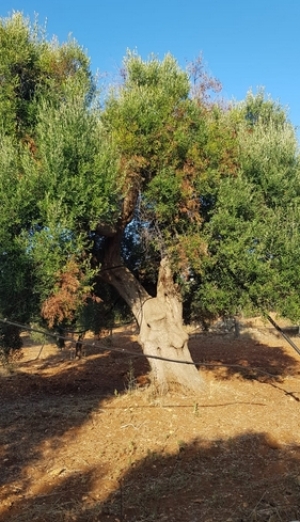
pixel 162 333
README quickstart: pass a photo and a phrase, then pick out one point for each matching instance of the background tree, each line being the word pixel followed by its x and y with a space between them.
pixel 252 232
pixel 50 154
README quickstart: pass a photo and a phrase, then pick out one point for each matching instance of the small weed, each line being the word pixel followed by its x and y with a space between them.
pixel 132 446
pixel 131 380
pixel 181 445
pixel 37 337
pixel 153 455
pixel 9 358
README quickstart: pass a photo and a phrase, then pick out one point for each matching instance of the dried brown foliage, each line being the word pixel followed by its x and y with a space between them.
pixel 67 296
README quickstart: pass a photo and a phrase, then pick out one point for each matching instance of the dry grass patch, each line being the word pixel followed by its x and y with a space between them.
pixel 82 441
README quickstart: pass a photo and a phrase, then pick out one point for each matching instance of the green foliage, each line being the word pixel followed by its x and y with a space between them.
pixel 259 110
pixel 252 233
pixel 169 145
pixel 31 67
pixel 161 167
pixel 57 170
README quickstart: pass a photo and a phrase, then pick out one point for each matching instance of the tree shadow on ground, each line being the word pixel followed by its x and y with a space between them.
pixel 247 478
pixel 43 400
pixel 243 478
pixel 104 368
pixel 226 355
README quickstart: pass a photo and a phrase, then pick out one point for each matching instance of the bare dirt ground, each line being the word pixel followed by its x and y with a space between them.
pixel 89 440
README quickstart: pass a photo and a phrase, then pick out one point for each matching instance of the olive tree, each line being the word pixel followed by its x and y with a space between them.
pixel 158 191
pixel 75 176
pixel 169 154
pixel 252 230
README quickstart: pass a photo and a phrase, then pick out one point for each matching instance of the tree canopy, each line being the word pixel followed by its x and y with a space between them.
pixel 252 232
pixel 160 186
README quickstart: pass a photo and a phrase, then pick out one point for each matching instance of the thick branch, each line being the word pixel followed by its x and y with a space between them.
pixel 128 287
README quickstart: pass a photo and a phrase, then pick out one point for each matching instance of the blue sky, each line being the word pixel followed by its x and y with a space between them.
pixel 245 44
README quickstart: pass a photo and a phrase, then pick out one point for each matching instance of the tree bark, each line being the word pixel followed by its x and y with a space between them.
pixel 162 332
